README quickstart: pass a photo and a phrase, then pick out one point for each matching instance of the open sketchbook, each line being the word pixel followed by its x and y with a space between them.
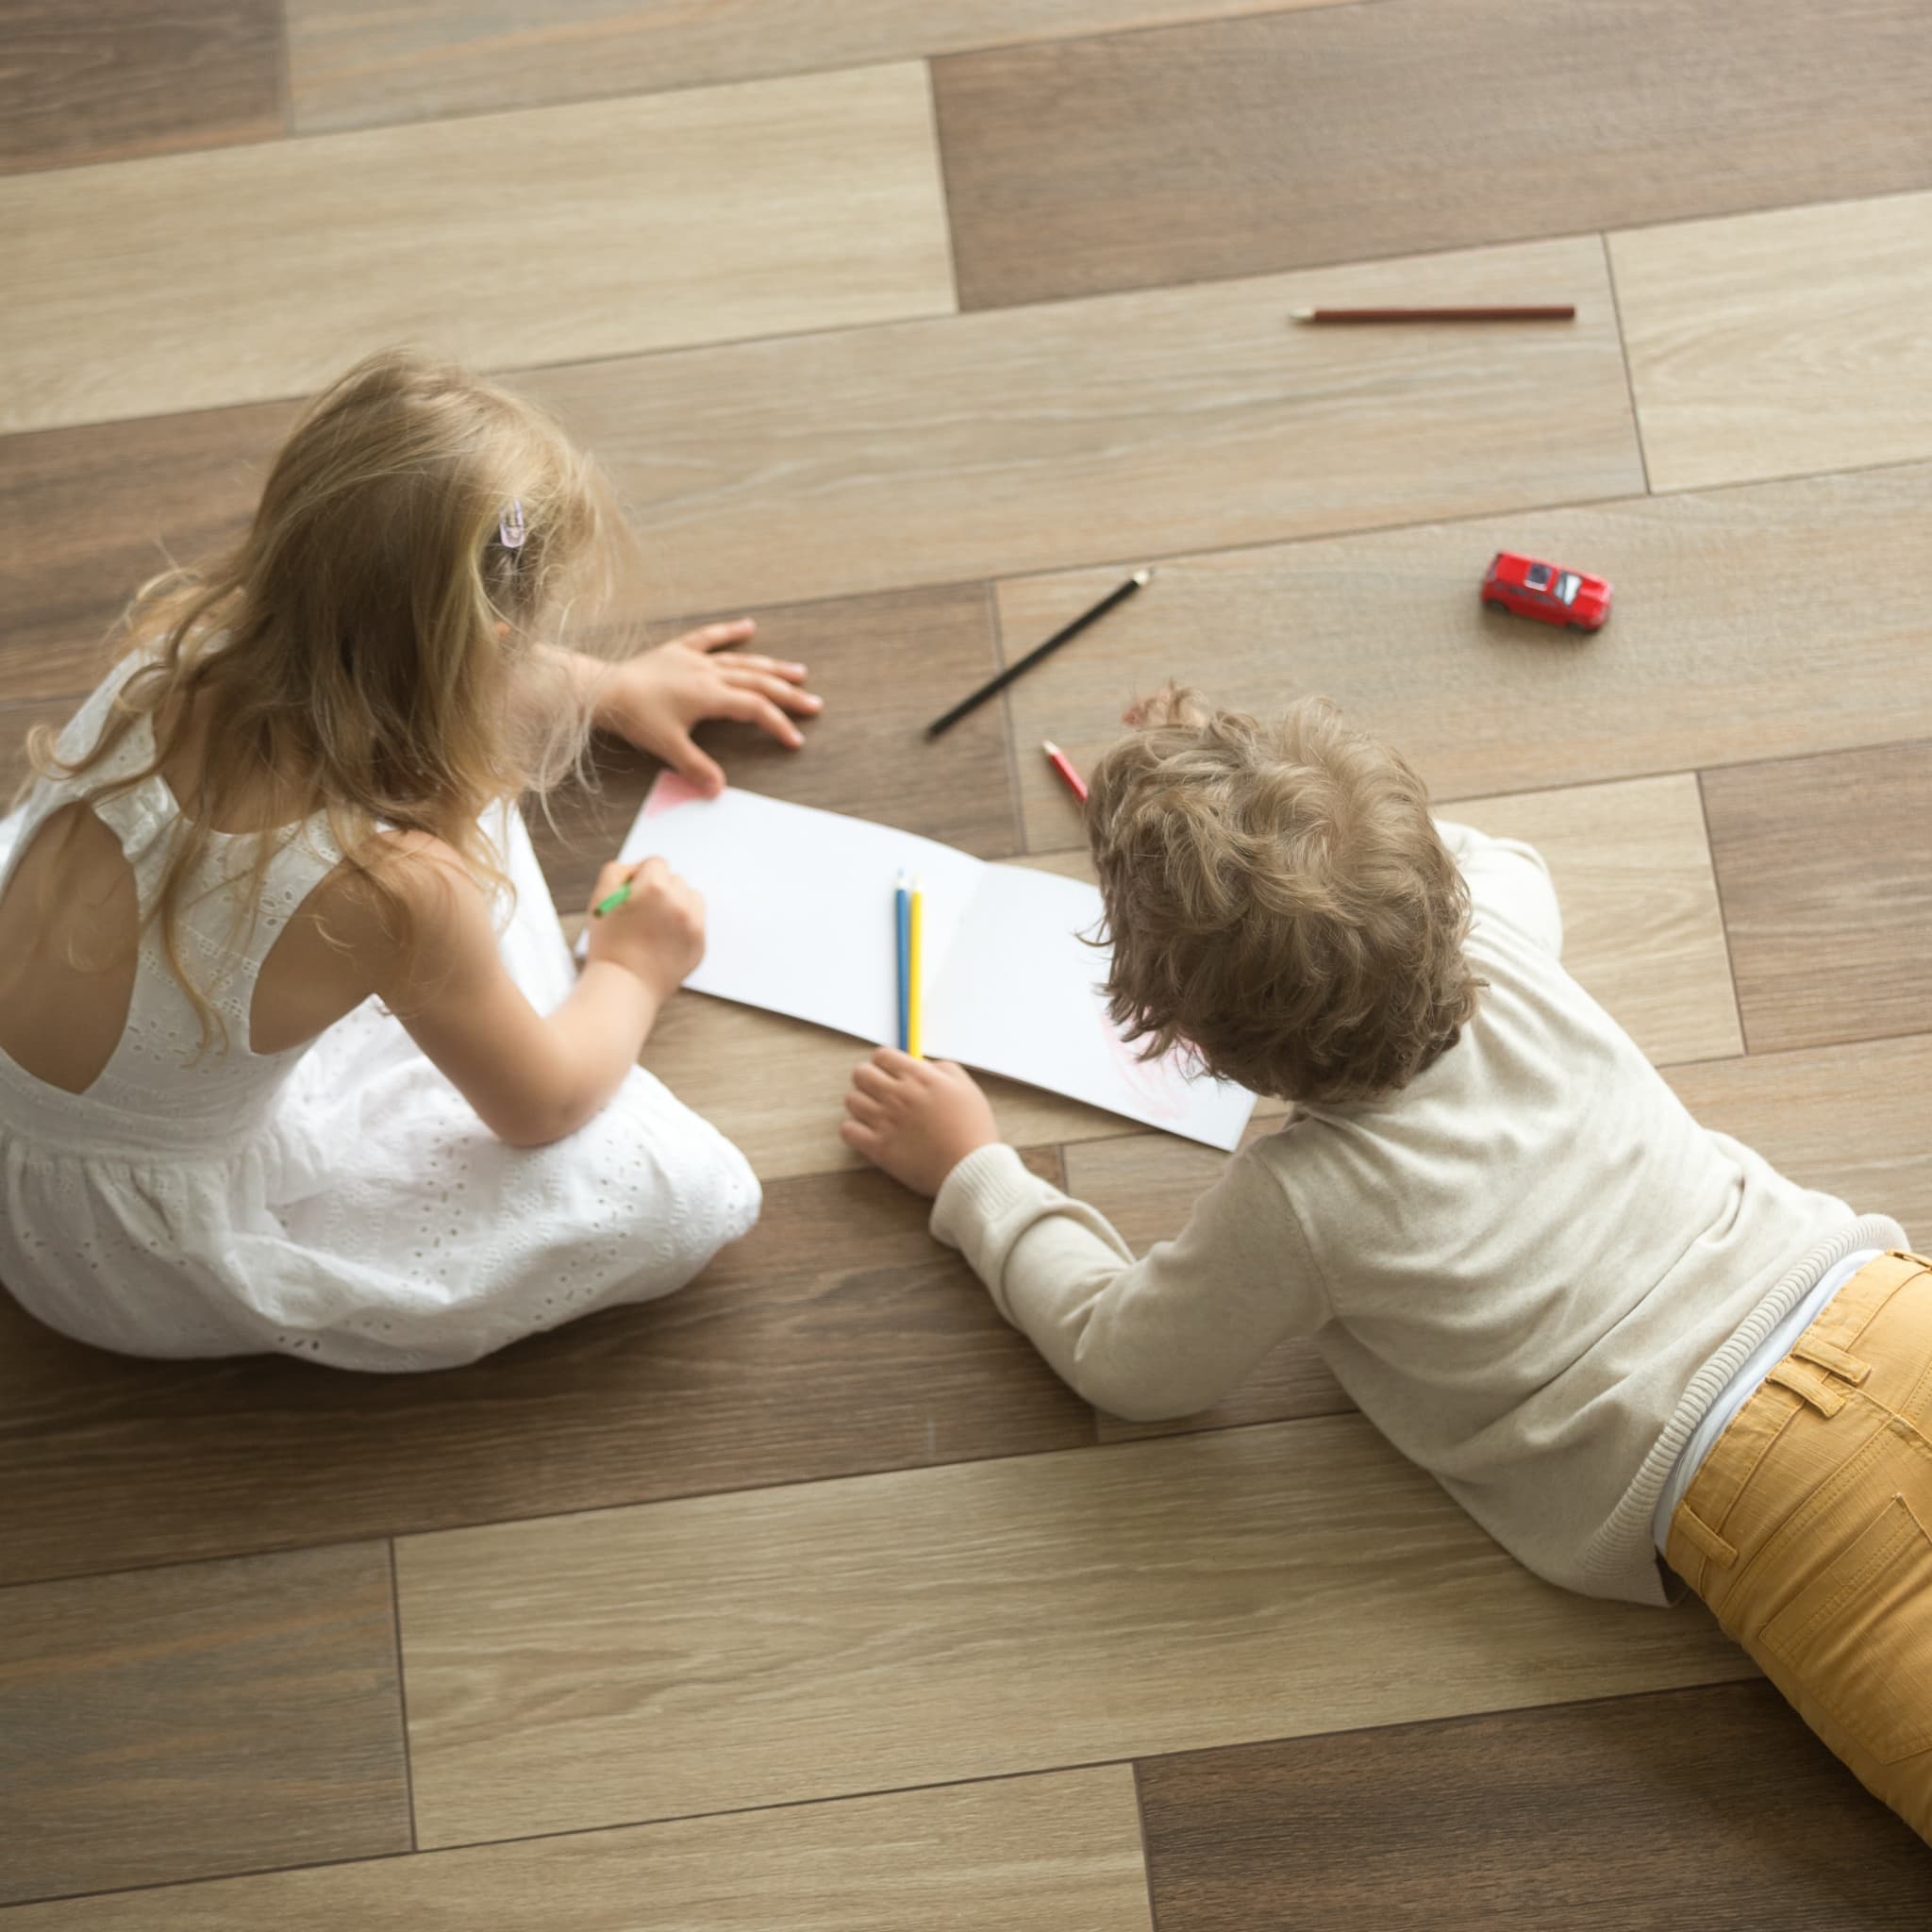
pixel 799 918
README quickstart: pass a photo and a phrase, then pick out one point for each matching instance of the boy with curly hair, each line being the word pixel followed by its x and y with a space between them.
pixel 1612 1335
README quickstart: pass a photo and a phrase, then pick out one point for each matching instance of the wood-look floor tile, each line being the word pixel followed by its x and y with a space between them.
pixel 93 512
pixel 1712 654
pixel 1060 1850
pixel 1826 875
pixel 1594 1817
pixel 1771 344
pixel 951 451
pixel 219 1717
pixel 540 236
pixel 838 1336
pixel 884 665
pixel 351 66
pixel 1006 1616
pixel 1851 1120
pixel 1227 146
pixel 127 78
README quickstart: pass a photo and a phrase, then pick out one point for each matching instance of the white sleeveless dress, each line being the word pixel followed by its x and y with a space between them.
pixel 340 1201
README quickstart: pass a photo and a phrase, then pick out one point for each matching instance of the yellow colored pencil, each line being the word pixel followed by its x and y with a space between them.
pixel 912 1012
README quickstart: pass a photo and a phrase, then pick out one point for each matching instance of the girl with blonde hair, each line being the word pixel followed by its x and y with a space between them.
pixel 293 1053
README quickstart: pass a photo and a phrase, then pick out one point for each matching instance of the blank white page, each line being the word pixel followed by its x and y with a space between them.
pixel 1019 995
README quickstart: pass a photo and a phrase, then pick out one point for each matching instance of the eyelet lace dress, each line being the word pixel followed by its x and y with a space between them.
pixel 340 1201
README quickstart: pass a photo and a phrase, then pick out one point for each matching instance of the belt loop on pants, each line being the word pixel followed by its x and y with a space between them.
pixel 1807 1385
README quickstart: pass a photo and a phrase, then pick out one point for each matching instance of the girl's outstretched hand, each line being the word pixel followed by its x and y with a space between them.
pixel 661 695
pixel 916 1119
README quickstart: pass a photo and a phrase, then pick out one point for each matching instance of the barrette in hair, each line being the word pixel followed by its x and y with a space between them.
pixel 513 529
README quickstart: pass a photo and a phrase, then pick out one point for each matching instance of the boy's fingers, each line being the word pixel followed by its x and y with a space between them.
pixel 889 1060
pixel 859 1137
pixel 865 1108
pixel 871 1081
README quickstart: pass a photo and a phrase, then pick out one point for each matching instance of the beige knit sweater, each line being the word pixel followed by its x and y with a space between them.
pixel 1531 1268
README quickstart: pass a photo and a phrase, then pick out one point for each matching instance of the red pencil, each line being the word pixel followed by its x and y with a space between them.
pixel 1064 766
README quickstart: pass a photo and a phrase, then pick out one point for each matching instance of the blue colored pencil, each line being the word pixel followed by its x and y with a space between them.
pixel 902 907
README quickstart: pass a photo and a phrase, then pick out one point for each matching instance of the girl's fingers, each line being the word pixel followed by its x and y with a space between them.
pixel 869 1079
pixel 861 1139
pixel 688 761
pixel 780 690
pixel 867 1111
pixel 761 711
pixel 772 667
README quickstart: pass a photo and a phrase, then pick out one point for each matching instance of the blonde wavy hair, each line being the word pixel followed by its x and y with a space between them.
pixel 372 651
pixel 1278 900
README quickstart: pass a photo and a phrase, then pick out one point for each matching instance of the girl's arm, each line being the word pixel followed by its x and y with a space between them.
pixel 533 1077
pixel 1167 1335
pixel 654 699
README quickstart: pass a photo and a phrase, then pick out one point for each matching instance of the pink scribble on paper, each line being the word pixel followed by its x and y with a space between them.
pixel 670 791
pixel 1161 1086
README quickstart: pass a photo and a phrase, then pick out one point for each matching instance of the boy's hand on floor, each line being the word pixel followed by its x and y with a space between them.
pixel 916 1119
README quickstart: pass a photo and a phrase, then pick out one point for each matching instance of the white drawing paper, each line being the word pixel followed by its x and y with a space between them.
pixel 800 919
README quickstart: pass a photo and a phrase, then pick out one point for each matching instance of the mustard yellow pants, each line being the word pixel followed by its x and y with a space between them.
pixel 1806 1530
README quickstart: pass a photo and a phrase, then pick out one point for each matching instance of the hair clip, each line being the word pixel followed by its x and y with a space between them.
pixel 511 528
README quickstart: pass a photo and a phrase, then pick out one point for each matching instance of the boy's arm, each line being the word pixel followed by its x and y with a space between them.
pixel 1165 1335
pixel 1507 880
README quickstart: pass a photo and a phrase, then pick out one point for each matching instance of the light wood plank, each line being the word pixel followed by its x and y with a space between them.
pixel 1595 1816
pixel 838 1336
pixel 942 452
pixel 1771 344
pixel 1732 639
pixel 1642 929
pixel 1826 875
pixel 507 240
pixel 1851 1120
pixel 351 65
pixel 953 1623
pixel 176 1724
pixel 126 78
pixel 1061 1850
pixel 1228 146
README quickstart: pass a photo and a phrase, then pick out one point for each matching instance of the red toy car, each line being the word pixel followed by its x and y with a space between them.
pixel 1546 592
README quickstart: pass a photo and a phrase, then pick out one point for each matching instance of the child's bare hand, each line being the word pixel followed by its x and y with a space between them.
pixel 916 1119
pixel 660 696
pixel 658 933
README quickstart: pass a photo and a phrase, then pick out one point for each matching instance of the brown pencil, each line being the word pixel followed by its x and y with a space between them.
pixel 1565 312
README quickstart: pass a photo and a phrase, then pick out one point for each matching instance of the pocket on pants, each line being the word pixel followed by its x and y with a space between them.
pixel 1858 1636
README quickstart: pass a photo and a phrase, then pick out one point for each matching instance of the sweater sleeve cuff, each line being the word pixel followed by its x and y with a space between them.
pixel 988 1184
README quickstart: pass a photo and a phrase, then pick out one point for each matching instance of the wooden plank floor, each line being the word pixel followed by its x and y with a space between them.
pixel 807 1597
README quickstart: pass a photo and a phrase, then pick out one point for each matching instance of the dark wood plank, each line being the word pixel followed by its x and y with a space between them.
pixel 1295 139
pixel 90 514
pixel 1713 1806
pixel 1825 873
pixel 837 1338
pixel 183 1722
pixel 884 666
pixel 123 77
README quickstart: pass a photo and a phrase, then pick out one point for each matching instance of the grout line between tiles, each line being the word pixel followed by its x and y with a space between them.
pixel 1723 918
pixel 1624 349
pixel 395 1611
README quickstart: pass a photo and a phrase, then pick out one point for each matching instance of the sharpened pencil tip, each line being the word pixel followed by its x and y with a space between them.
pixel 1049 747
pixel 1142 575
pixel 1301 315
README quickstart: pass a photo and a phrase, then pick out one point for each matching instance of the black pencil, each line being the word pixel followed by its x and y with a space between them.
pixel 995 685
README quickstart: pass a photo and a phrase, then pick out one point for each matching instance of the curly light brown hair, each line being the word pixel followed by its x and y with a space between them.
pixel 1278 899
